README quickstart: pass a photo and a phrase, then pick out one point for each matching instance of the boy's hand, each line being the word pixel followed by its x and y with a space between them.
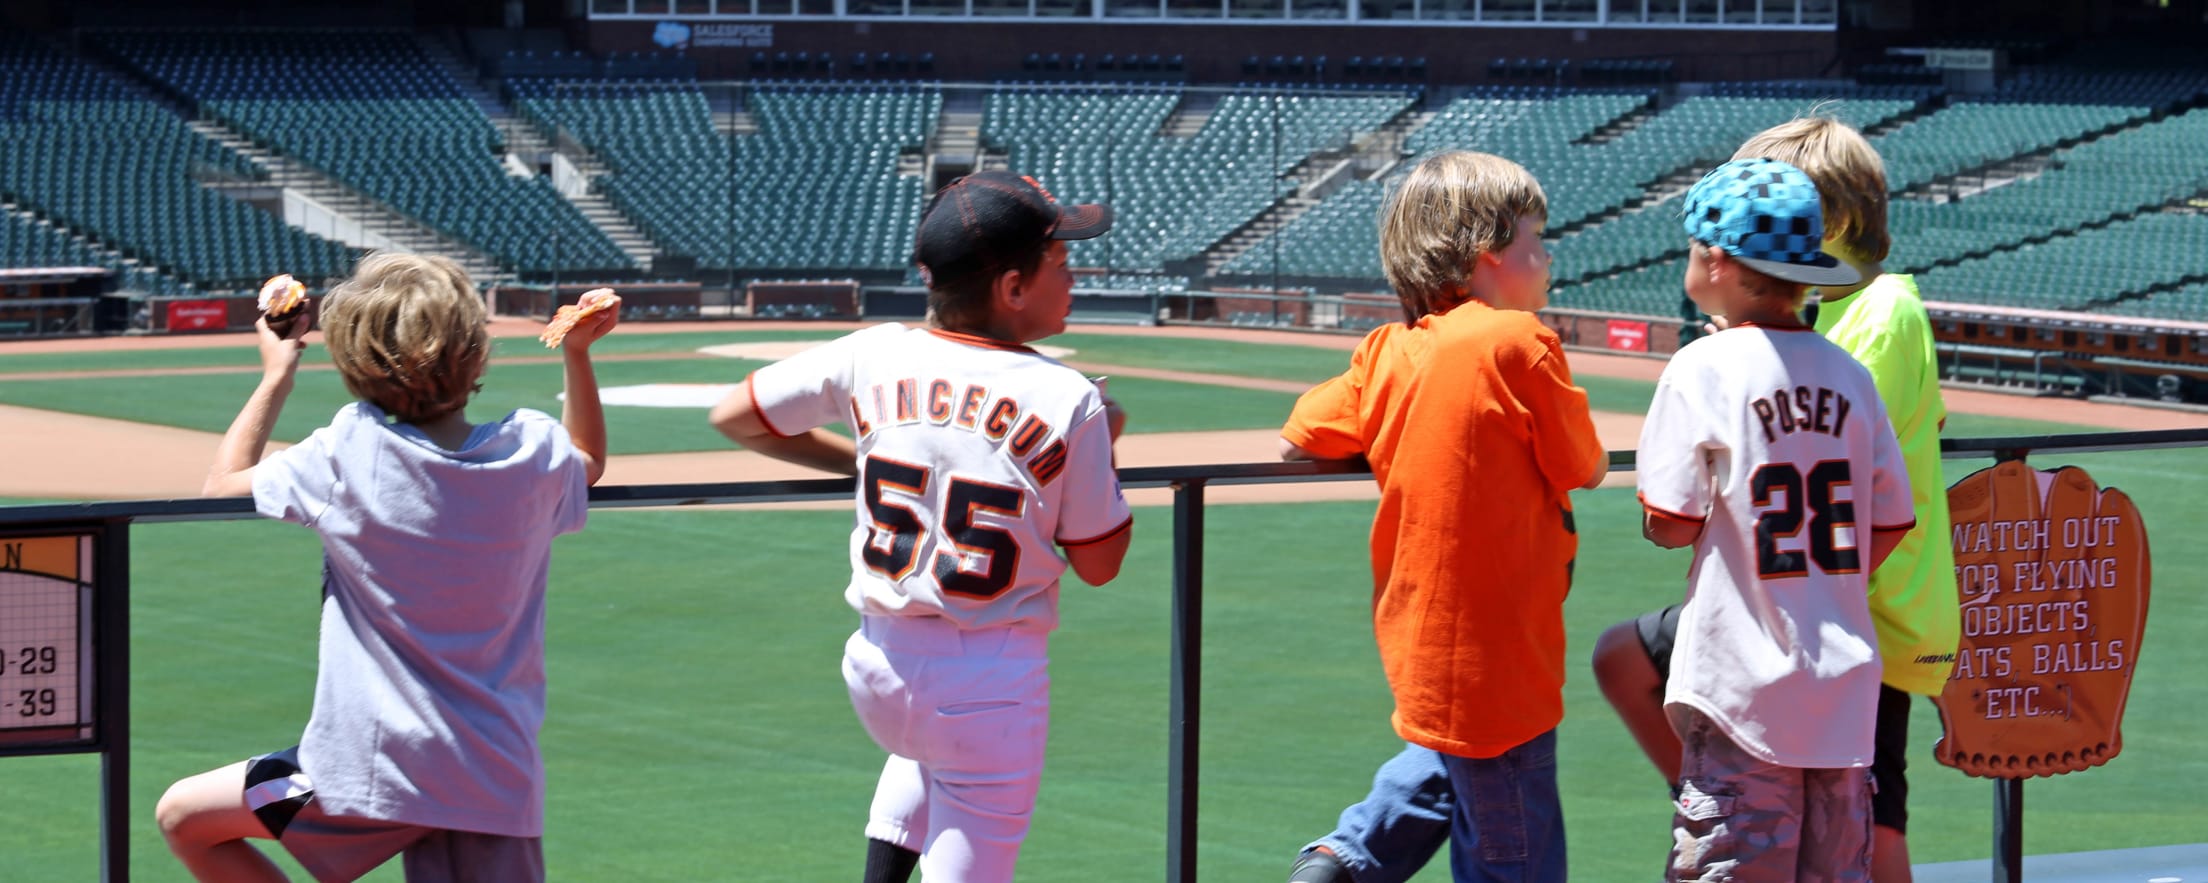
pixel 601 310
pixel 1115 417
pixel 279 354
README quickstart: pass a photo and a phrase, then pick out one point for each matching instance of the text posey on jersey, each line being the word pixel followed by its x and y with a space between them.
pixel 976 459
pixel 1776 443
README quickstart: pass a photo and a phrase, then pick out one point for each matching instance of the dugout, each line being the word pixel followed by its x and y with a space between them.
pixel 52 302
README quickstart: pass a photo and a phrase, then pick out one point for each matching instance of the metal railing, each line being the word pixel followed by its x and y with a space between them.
pixel 1187 607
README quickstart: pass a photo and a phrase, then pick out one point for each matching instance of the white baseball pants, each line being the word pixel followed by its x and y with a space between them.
pixel 964 715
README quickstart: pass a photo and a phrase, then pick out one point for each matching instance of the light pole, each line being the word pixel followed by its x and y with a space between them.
pixel 1274 174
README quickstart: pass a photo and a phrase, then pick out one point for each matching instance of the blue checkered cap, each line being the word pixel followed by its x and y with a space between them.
pixel 1765 214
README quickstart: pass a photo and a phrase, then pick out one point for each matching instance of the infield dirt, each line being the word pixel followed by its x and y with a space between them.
pixel 82 457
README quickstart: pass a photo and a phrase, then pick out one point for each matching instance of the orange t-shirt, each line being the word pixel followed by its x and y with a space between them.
pixel 1477 436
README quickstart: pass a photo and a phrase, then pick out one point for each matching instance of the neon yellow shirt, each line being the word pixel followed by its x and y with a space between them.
pixel 1914 603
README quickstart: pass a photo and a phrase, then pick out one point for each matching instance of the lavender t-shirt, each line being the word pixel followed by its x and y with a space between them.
pixel 430 690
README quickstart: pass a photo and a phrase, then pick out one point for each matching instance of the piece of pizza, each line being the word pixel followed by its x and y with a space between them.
pixel 283 303
pixel 564 321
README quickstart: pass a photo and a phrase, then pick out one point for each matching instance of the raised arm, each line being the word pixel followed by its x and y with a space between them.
pixel 242 445
pixel 582 413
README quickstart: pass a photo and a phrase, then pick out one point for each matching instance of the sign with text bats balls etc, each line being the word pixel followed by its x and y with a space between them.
pixel 2054 575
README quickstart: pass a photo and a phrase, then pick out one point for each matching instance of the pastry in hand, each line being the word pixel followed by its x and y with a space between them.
pixel 284 305
pixel 564 321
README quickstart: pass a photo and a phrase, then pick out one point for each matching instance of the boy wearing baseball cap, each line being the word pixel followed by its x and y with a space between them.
pixel 1882 322
pixel 1768 450
pixel 978 460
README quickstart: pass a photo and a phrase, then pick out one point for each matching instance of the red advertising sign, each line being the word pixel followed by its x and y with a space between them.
pixel 1629 335
pixel 2054 575
pixel 198 315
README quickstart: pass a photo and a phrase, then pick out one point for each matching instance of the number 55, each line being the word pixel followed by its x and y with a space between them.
pixel 894 539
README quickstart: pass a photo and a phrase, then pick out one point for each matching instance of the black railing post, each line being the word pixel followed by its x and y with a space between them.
pixel 1184 709
pixel 111 655
pixel 2008 794
pixel 2008 831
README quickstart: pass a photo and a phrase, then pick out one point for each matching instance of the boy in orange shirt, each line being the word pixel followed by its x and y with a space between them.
pixel 1476 435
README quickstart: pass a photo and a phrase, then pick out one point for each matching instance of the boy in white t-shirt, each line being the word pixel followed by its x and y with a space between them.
pixel 978 460
pixel 1767 449
pixel 436 539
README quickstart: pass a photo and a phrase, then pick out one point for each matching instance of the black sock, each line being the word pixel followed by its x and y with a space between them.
pixel 887 862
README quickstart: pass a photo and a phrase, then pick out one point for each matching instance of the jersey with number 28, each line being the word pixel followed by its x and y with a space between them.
pixel 1775 439
pixel 976 460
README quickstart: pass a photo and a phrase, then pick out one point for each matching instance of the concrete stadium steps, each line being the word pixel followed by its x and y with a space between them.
pixel 530 147
pixel 1927 108
pixel 1256 231
pixel 1319 174
pixel 107 253
pixel 1189 115
pixel 448 58
pixel 1619 127
pixel 2008 170
pixel 2179 204
pixel 534 152
pixel 956 142
pixel 376 225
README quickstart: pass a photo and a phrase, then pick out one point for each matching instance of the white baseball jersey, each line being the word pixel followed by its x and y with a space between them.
pixel 976 459
pixel 1775 440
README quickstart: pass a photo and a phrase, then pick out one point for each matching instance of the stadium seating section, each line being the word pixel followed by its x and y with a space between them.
pixel 1176 197
pixel 2068 187
pixel 2081 270
pixel 1594 167
pixel 816 187
pixel 110 177
pixel 372 110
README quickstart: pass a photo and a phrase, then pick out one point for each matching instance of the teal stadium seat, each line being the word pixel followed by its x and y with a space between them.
pixel 370 109
pixel 816 188
pixel 99 163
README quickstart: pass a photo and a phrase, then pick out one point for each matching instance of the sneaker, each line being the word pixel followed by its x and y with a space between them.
pixel 1319 866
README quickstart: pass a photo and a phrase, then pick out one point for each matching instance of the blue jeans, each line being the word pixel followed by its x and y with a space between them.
pixel 1390 835
pixel 1513 829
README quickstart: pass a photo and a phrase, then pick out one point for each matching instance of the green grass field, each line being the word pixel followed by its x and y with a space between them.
pixel 698 728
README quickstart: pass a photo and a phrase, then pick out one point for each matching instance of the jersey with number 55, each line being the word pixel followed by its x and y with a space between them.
pixel 1776 442
pixel 976 459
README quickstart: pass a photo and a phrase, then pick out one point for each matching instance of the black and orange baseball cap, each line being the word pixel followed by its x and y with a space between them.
pixel 989 222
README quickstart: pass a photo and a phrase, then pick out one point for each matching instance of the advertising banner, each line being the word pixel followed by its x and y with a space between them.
pixel 198 315
pixel 1628 335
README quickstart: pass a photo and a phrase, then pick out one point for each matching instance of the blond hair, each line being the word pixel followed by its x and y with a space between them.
pixel 1437 221
pixel 1850 178
pixel 408 335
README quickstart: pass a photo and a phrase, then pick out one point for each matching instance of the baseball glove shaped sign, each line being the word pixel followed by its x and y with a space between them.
pixel 2054 576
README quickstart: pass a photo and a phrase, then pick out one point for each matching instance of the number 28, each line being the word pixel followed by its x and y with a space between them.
pixel 893 540
pixel 1785 520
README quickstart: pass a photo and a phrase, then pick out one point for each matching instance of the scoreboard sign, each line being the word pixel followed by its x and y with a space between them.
pixel 46 663
pixel 2054 575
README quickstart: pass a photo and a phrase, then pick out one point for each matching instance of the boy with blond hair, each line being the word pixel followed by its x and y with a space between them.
pixel 1881 321
pixel 978 459
pixel 1766 448
pixel 1476 436
pixel 436 537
